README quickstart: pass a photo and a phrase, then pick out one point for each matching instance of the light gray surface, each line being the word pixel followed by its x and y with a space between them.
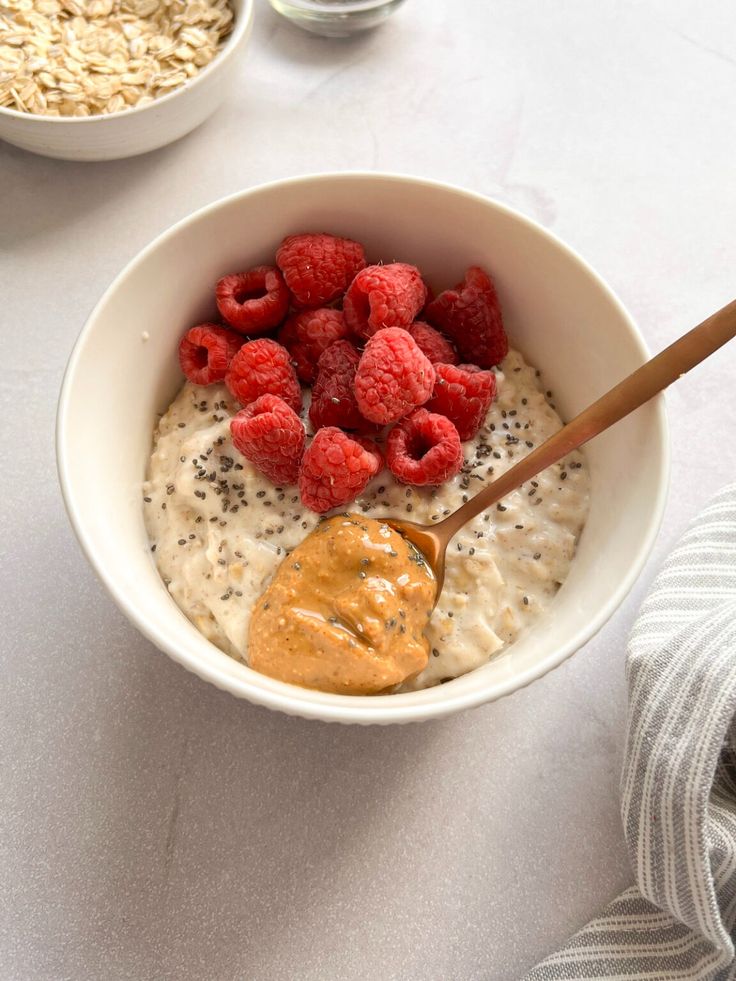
pixel 152 827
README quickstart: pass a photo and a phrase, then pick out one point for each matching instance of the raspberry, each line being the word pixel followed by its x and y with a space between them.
pixel 336 468
pixel 431 343
pixel 424 448
pixel 333 396
pixel 307 335
pixel 471 316
pixel 318 268
pixel 263 367
pixel 254 301
pixel 270 434
pixel 206 351
pixel 384 296
pixel 393 376
pixel 463 394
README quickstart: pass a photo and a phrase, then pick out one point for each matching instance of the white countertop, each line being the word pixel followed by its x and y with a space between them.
pixel 155 828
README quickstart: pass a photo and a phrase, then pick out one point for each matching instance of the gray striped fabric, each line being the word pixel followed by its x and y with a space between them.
pixel 679 780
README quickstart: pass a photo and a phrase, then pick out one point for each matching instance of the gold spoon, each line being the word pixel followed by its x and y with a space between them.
pixel 640 386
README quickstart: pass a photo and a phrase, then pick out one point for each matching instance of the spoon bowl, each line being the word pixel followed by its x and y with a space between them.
pixel 431 543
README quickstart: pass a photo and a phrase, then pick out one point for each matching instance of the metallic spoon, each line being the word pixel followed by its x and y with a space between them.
pixel 640 386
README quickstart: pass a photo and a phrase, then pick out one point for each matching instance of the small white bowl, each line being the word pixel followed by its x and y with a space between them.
pixel 124 370
pixel 336 18
pixel 137 130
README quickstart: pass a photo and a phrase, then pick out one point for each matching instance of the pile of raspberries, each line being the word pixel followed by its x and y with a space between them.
pixel 377 350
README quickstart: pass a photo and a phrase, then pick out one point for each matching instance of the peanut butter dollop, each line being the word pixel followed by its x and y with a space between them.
pixel 346 611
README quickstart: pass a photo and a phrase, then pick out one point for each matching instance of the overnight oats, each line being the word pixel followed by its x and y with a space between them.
pixel 367 400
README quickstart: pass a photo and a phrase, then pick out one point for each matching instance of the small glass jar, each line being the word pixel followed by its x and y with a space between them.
pixel 336 18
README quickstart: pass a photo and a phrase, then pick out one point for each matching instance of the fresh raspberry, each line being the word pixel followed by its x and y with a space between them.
pixel 430 342
pixel 206 351
pixel 471 316
pixel 384 296
pixel 307 335
pixel 393 376
pixel 463 394
pixel 333 395
pixel 318 268
pixel 336 468
pixel 254 301
pixel 270 434
pixel 424 448
pixel 263 367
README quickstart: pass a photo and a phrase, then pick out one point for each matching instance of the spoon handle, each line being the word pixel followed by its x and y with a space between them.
pixel 653 377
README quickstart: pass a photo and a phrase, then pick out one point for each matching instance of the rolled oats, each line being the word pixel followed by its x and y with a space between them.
pixel 88 57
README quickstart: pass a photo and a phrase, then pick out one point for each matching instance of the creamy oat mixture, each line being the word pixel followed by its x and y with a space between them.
pixel 219 528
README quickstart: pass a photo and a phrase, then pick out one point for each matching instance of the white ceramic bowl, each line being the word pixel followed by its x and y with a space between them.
pixel 557 310
pixel 134 131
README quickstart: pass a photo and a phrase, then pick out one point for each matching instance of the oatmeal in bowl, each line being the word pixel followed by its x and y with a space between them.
pixel 369 406
pixel 124 380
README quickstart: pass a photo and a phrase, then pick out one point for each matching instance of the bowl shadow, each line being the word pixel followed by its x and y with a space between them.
pixel 225 813
pixel 37 206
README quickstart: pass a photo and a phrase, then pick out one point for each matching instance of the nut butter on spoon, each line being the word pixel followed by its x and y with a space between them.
pixel 346 611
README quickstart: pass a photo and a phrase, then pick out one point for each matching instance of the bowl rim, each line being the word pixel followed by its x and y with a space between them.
pixel 287 698
pixel 242 26
pixel 348 6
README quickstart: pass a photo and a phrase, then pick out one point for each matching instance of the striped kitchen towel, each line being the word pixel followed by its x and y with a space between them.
pixel 679 779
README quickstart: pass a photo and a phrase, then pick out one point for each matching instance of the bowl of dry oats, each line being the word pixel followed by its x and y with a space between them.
pixel 105 79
